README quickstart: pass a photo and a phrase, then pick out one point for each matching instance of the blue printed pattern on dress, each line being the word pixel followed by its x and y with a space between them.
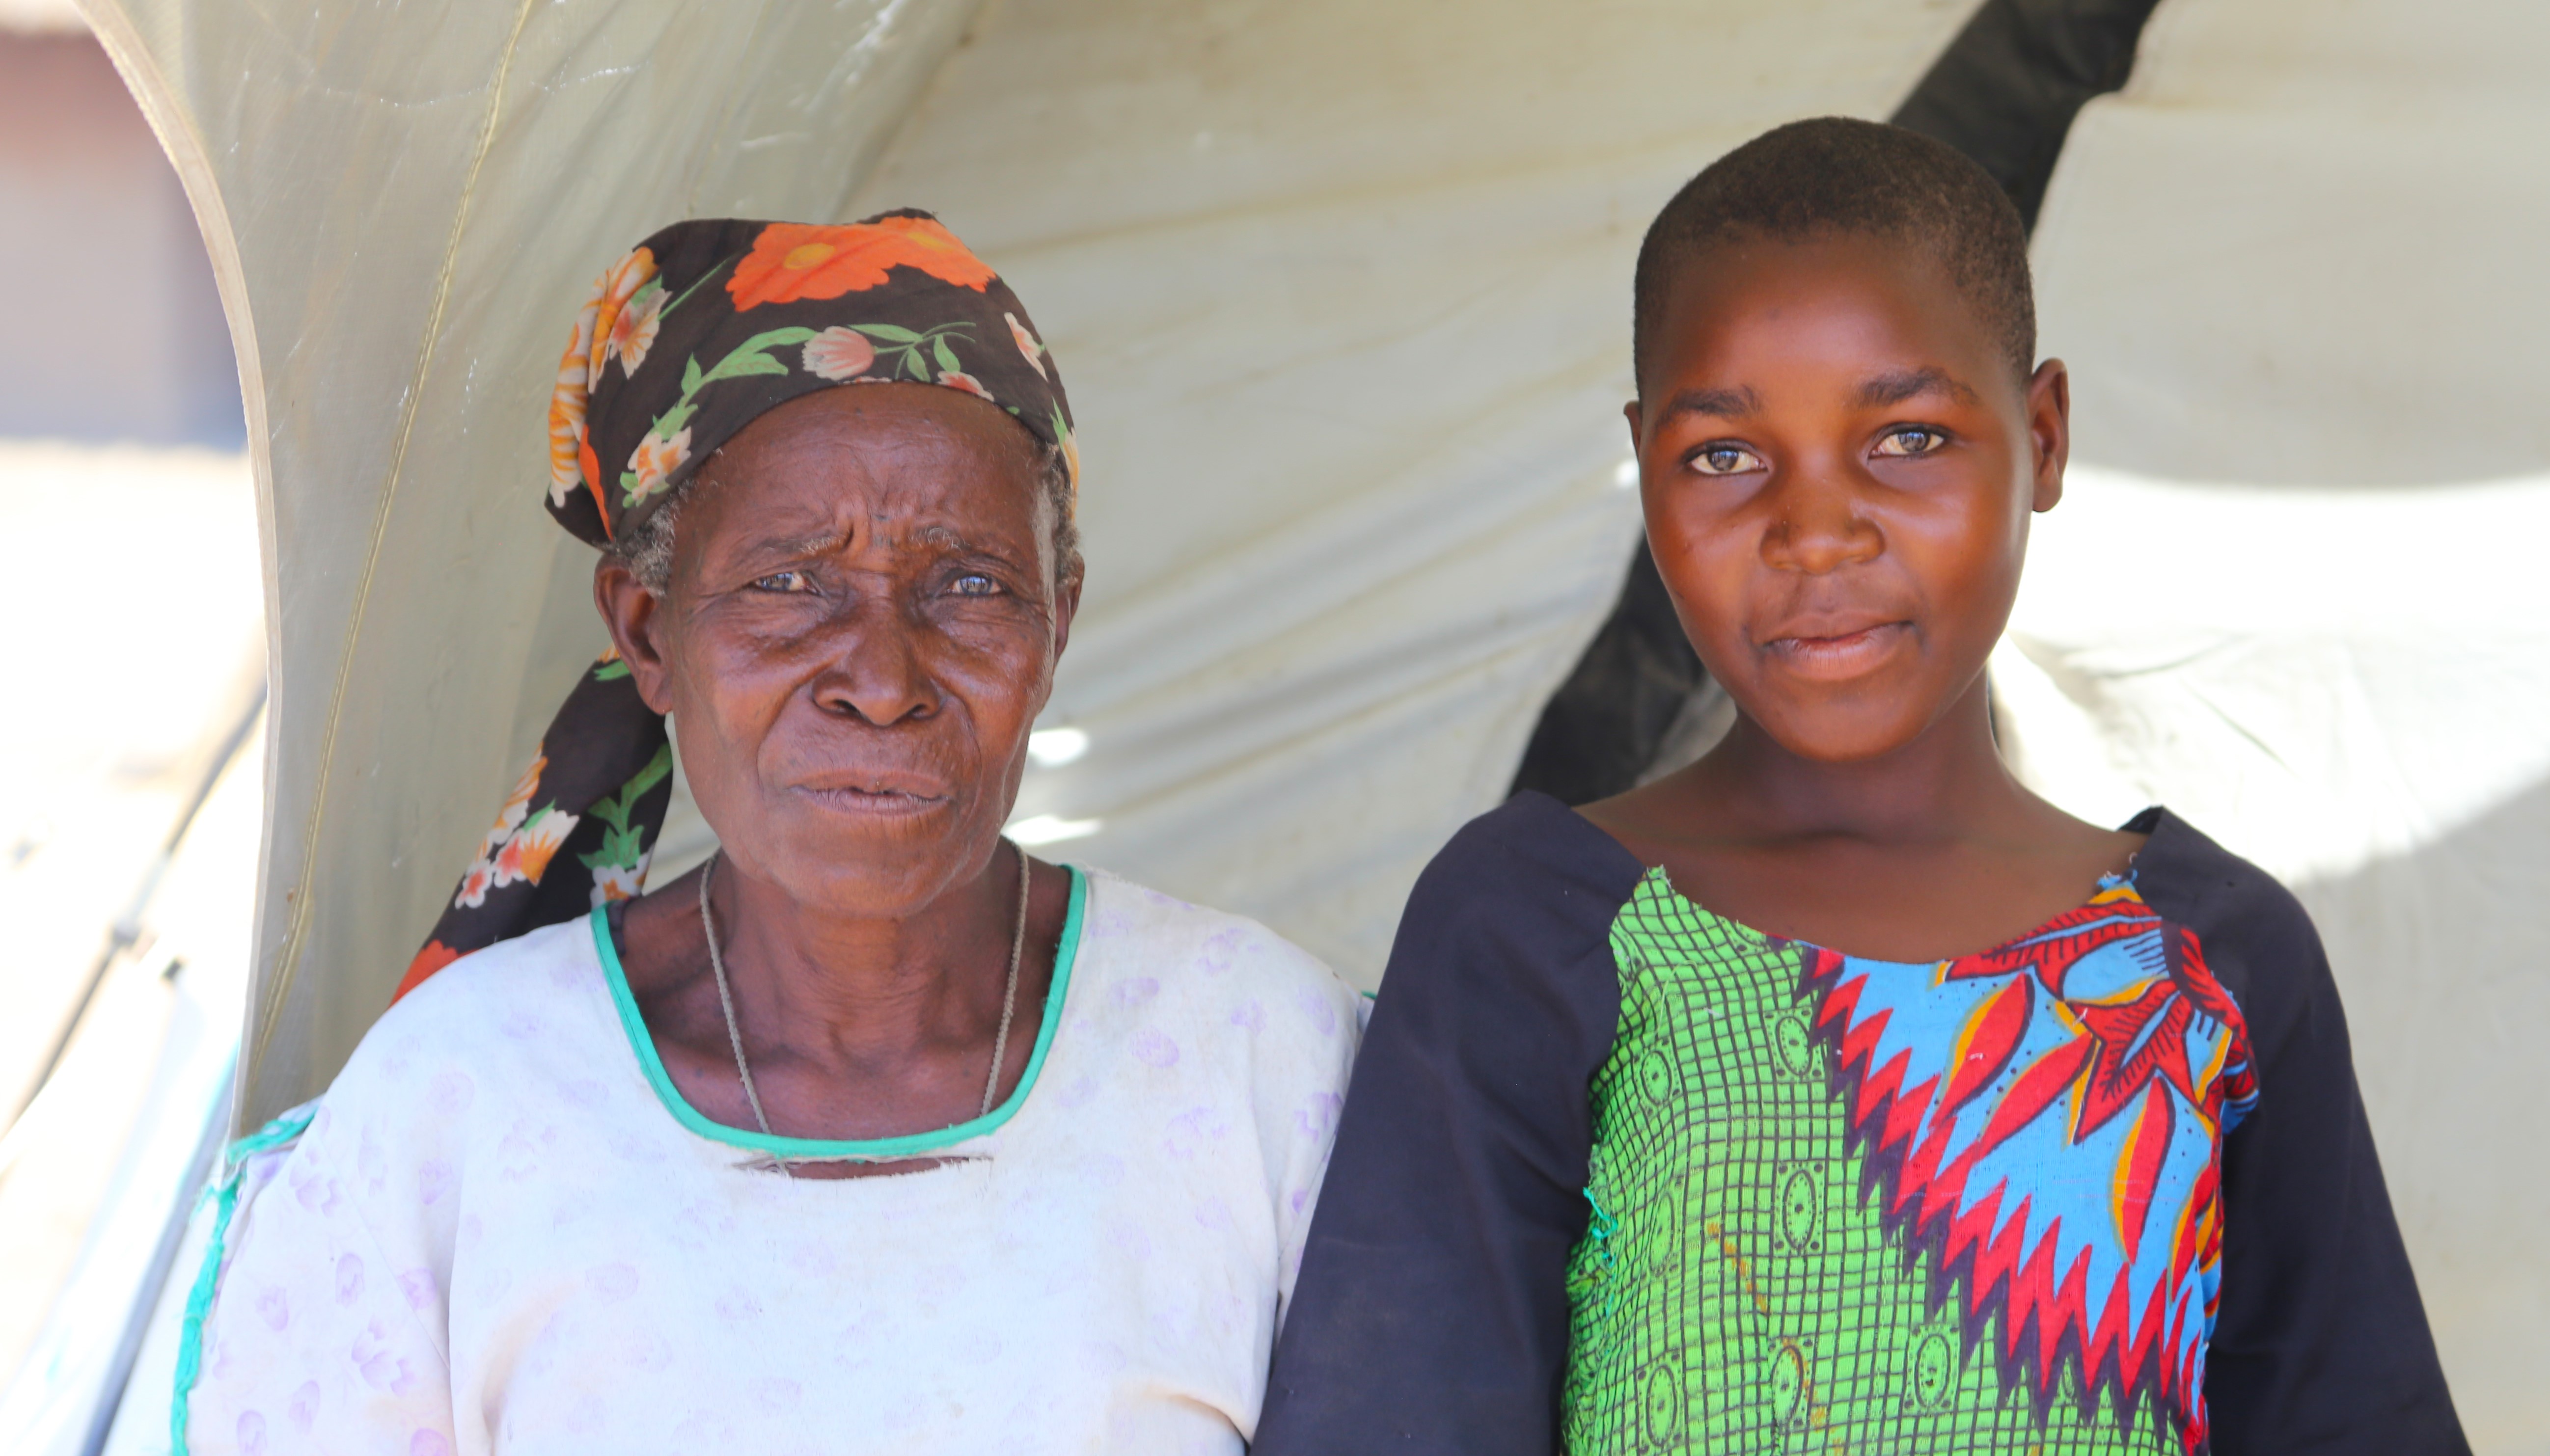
pixel 2045 1123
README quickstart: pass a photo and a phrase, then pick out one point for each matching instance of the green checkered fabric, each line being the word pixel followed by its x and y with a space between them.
pixel 1734 1291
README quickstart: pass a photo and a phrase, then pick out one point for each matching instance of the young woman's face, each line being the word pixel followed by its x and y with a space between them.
pixel 1839 471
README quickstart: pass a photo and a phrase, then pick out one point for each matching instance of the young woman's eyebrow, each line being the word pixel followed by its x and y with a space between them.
pixel 1903 384
pixel 1726 404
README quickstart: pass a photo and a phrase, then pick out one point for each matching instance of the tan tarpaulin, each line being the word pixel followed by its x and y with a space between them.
pixel 1342 293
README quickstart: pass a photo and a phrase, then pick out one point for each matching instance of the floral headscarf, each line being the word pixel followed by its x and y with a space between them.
pixel 695 334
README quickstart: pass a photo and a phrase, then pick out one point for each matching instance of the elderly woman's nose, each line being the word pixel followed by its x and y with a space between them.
pixel 877 672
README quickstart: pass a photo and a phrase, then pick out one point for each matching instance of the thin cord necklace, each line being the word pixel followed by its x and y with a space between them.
pixel 735 1034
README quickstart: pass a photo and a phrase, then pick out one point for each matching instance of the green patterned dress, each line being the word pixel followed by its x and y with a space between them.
pixel 1736 1291
pixel 1619 1175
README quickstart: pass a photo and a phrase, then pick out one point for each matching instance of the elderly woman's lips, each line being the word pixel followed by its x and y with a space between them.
pixel 888 792
pixel 885 799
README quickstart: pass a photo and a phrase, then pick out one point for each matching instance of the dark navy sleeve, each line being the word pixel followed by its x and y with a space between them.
pixel 2321 1347
pixel 1431 1315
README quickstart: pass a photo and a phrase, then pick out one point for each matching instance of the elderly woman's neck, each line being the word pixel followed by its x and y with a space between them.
pixel 855 1026
pixel 814 962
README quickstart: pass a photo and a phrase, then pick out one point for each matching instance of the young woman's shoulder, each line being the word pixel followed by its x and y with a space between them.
pixel 1534 839
pixel 1433 1311
pixel 2253 935
pixel 1532 876
pixel 1502 962
pixel 2321 1334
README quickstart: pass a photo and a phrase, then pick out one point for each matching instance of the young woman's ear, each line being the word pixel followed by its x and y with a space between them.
pixel 2050 429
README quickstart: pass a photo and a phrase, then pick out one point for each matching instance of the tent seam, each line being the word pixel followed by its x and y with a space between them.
pixel 289 961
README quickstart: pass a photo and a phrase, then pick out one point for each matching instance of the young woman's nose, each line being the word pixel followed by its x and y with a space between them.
pixel 1817 525
pixel 877 670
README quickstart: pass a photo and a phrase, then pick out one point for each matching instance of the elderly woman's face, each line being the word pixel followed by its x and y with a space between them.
pixel 862 626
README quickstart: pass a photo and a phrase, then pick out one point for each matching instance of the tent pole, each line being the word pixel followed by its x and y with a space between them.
pixel 127 929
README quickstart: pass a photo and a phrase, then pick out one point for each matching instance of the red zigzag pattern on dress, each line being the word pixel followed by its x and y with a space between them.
pixel 2126 1056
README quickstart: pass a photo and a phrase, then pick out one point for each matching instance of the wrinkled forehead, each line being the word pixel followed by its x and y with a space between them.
pixel 905 466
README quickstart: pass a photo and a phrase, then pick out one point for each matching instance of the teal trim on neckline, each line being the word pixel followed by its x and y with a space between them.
pixel 878 1149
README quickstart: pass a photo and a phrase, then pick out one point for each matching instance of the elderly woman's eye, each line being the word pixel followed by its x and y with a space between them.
pixel 1724 459
pixel 785 581
pixel 1909 440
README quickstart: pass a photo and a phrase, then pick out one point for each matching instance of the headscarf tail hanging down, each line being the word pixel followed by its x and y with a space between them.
pixel 695 334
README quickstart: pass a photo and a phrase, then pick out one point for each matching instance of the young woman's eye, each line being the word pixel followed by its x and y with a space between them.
pixel 1909 440
pixel 785 581
pixel 974 584
pixel 1724 459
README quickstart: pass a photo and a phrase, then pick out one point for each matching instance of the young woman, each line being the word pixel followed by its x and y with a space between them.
pixel 1838 1093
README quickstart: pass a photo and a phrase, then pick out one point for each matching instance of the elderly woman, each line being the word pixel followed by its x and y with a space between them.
pixel 873 1133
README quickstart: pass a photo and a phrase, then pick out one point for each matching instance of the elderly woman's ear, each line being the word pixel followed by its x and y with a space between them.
pixel 629 611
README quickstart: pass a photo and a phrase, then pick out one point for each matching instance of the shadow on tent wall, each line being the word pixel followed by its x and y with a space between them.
pixel 2004 93
pixel 2445 983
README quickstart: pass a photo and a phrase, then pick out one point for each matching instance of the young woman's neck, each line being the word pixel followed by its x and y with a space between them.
pixel 1948 783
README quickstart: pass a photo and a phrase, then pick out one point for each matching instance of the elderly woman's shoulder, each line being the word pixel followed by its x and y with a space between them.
pixel 1144 942
pixel 522 1007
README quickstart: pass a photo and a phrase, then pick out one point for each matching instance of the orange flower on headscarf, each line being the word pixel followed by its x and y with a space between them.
pixel 1070 452
pixel 633 332
pixel 434 957
pixel 652 463
pixel 589 346
pixel 566 414
pixel 611 296
pixel 794 260
pixel 958 379
pixel 525 856
pixel 840 355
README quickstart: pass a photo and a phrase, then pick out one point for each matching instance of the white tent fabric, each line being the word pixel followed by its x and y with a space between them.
pixel 404 204
pixel 2291 591
pixel 1342 294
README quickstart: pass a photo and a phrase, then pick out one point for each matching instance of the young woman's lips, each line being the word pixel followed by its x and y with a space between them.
pixel 1840 650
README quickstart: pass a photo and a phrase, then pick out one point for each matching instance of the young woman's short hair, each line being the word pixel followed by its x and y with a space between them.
pixel 1836 174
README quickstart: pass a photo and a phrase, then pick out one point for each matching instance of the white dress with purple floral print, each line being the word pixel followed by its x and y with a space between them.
pixel 504 1231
